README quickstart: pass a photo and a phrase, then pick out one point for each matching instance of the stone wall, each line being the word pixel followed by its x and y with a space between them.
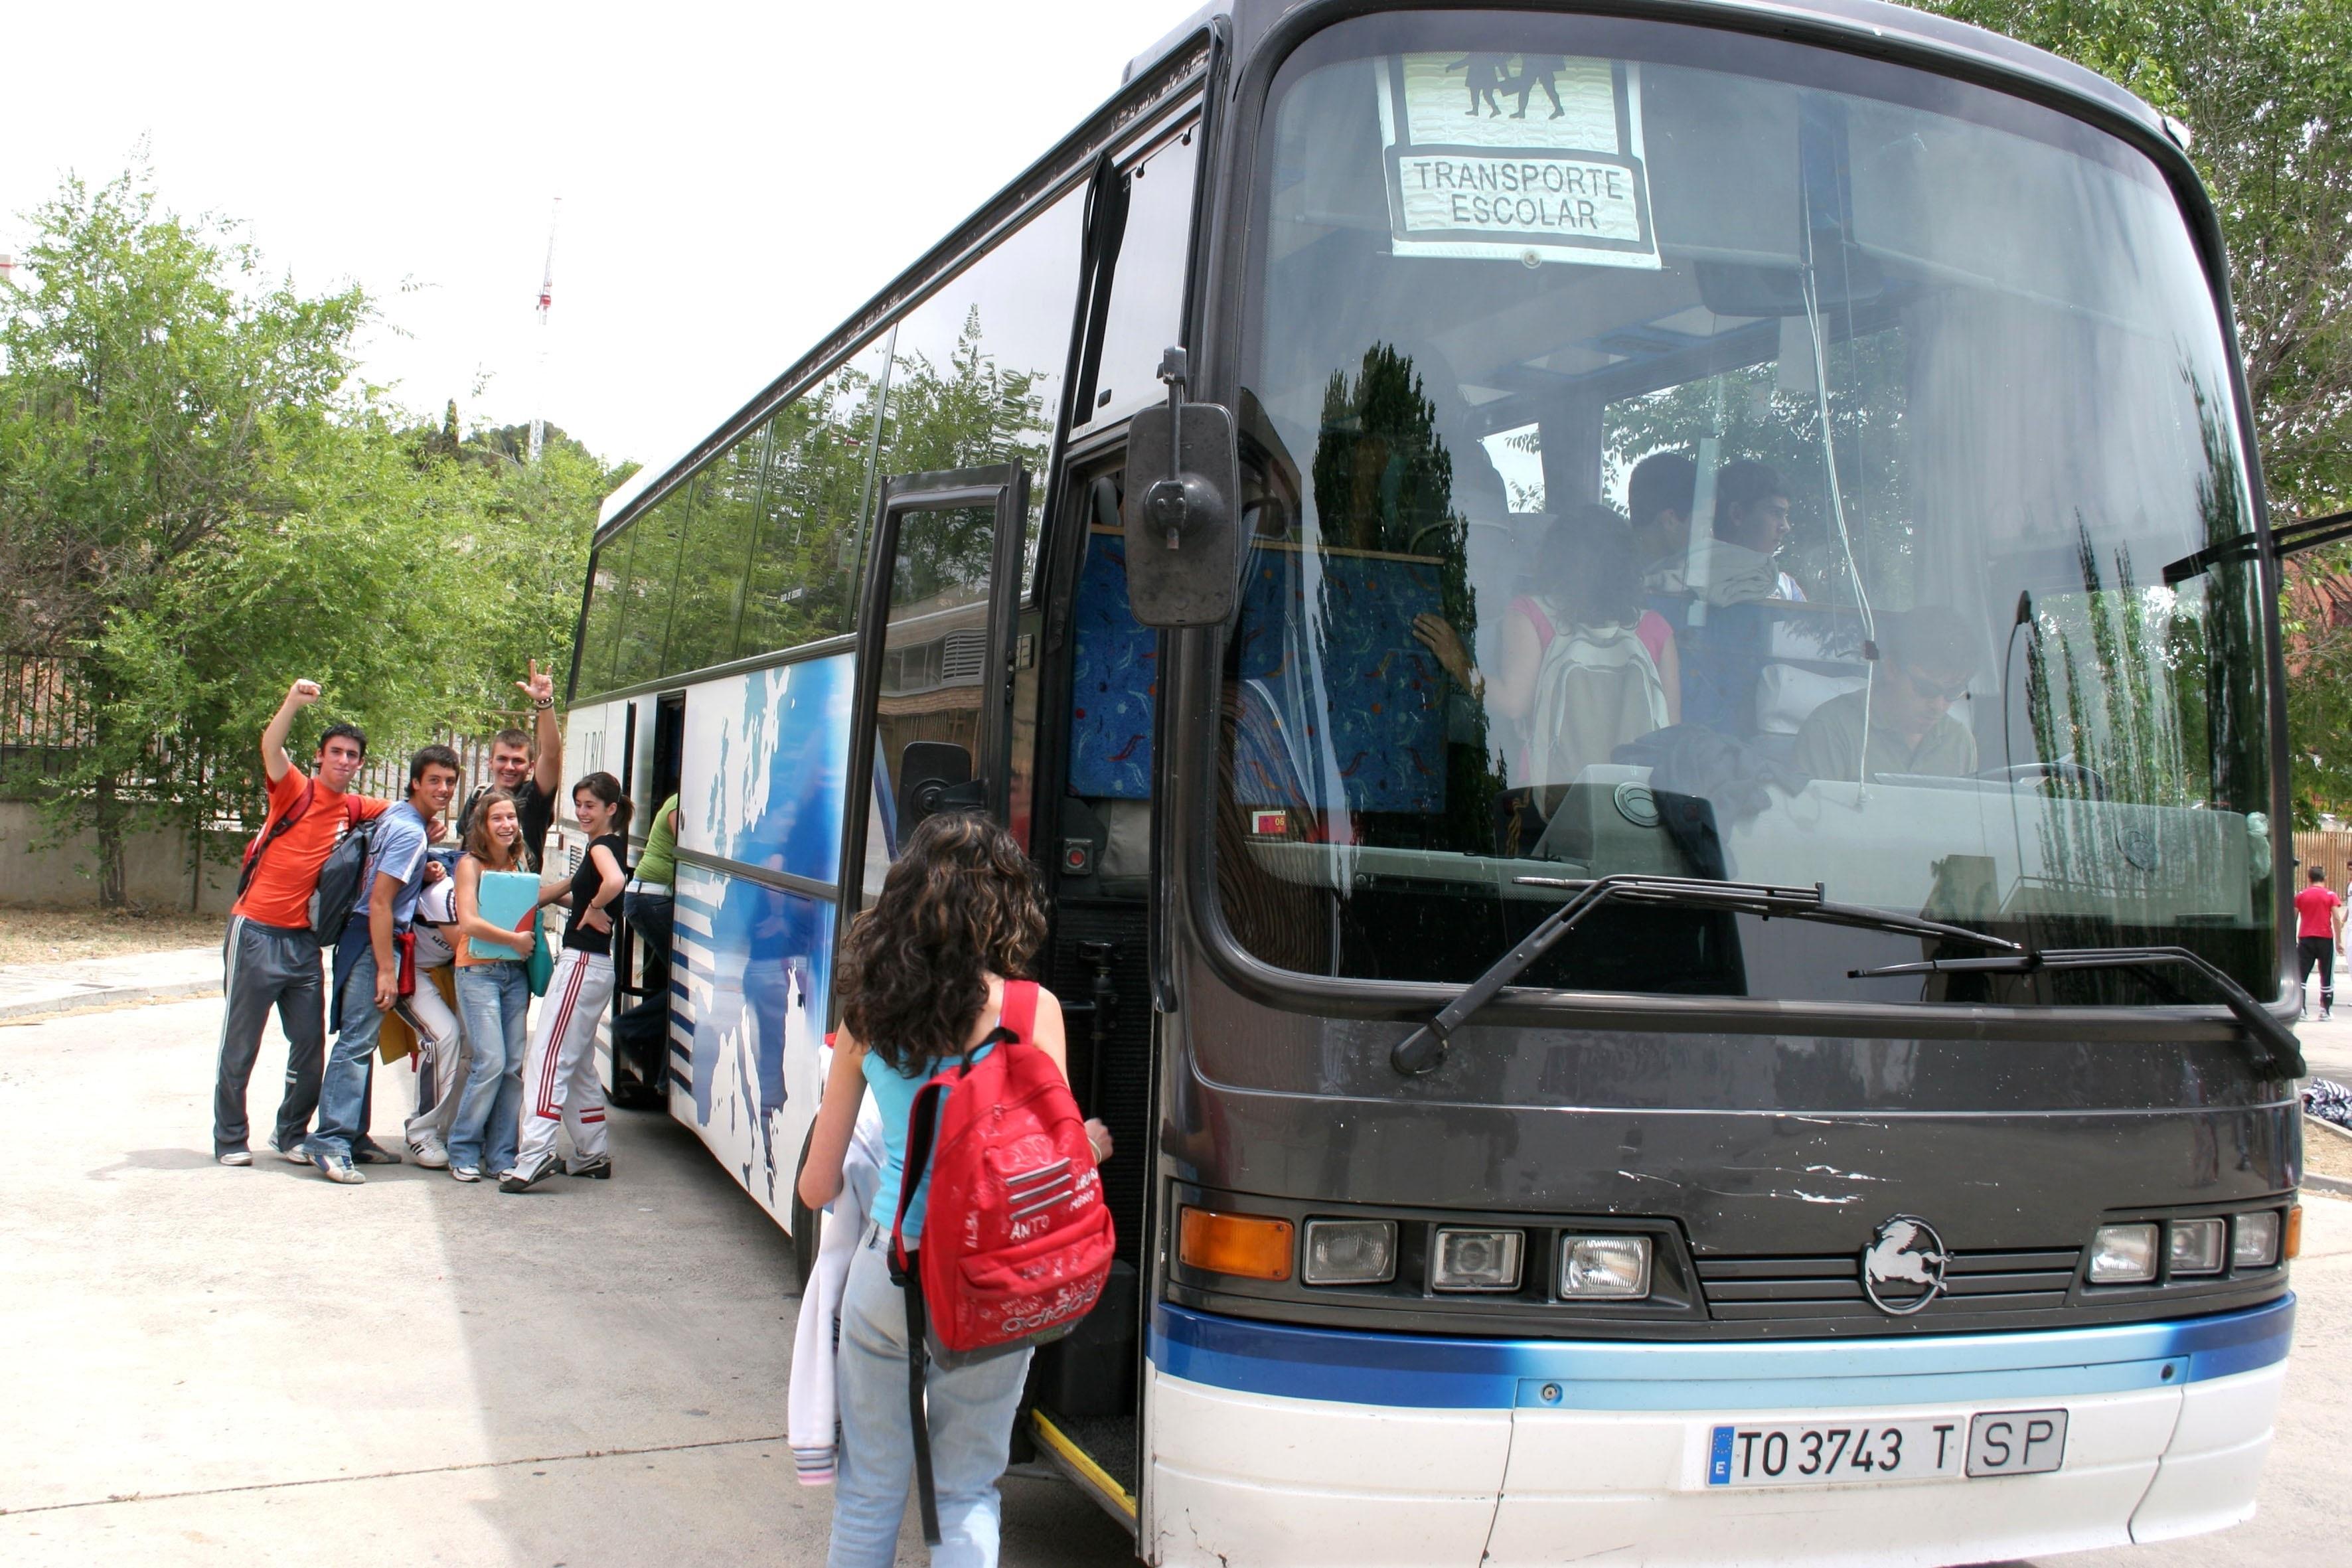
pixel 38 874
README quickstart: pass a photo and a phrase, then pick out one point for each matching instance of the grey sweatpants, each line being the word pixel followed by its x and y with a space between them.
pixel 265 967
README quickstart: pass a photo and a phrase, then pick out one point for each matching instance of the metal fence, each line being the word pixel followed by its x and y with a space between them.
pixel 386 772
pixel 43 717
pixel 46 721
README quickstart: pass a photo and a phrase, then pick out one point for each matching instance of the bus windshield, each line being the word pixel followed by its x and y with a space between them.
pixel 1698 455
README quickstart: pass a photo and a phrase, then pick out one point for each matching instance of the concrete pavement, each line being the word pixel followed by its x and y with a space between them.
pixel 206 1364
pixel 211 1365
pixel 30 990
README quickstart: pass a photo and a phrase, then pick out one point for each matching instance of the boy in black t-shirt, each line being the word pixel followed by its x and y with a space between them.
pixel 530 771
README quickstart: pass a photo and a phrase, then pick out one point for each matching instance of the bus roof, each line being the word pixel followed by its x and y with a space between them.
pixel 1866 26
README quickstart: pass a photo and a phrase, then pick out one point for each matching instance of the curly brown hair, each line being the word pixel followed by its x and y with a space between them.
pixel 959 904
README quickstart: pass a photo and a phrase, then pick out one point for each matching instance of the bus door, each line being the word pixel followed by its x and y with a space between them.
pixel 933 661
pixel 640 1064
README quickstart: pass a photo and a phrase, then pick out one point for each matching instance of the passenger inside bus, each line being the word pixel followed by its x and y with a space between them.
pixel 1584 668
pixel 1903 723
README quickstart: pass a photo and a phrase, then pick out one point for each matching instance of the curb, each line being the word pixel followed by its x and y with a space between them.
pixel 2338 1186
pixel 100 1001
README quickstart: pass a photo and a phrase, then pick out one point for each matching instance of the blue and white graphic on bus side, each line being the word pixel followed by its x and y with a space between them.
pixel 761 784
pixel 766 755
pixel 1428 1371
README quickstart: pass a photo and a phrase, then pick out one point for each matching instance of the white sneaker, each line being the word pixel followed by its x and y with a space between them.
pixel 429 1153
pixel 235 1157
pixel 467 1172
pixel 339 1168
pixel 291 1154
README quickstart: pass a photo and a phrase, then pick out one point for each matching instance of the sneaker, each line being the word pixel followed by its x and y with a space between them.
pixel 599 1169
pixel 292 1154
pixel 235 1157
pixel 466 1173
pixel 521 1181
pixel 337 1168
pixel 428 1153
pixel 2326 1015
pixel 370 1152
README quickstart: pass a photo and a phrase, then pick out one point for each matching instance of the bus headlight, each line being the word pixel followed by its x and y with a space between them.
pixel 2257 1240
pixel 1477 1260
pixel 2123 1255
pixel 1605 1268
pixel 2197 1247
pixel 1350 1252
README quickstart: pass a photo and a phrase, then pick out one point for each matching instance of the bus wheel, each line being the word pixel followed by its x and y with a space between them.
pixel 805 1221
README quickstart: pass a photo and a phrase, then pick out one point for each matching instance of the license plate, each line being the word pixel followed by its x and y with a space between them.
pixel 1846 1451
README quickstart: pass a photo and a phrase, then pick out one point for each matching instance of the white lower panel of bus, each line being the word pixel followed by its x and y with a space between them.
pixel 1243 1479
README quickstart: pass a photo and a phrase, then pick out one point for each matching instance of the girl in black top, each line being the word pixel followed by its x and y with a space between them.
pixel 559 1070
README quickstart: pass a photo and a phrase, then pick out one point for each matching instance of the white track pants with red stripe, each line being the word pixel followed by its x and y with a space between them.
pixel 558 1069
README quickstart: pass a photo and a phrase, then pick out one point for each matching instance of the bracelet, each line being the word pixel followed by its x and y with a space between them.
pixel 543 703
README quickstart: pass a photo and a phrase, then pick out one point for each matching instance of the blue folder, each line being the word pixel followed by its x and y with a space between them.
pixel 505 897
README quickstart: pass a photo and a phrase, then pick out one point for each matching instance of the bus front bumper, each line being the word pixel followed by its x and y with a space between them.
pixel 1270 1443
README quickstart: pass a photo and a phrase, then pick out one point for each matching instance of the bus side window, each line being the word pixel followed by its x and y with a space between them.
pixel 1147 290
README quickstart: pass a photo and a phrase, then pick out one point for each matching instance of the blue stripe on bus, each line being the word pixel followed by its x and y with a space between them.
pixel 1425 1372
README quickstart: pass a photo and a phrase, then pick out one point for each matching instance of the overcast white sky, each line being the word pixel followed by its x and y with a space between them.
pixel 735 179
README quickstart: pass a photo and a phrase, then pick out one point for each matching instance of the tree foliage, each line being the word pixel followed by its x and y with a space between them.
pixel 199 503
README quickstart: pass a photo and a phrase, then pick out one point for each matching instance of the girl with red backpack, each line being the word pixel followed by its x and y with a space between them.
pixel 928 978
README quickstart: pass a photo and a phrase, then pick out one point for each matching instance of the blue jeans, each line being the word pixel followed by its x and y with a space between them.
pixel 971 1411
pixel 343 1095
pixel 492 1000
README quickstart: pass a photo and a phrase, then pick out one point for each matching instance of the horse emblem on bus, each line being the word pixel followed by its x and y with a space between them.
pixel 1902 1267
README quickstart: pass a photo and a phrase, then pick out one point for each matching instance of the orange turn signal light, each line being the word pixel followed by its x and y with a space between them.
pixel 1250 1245
pixel 2291 1245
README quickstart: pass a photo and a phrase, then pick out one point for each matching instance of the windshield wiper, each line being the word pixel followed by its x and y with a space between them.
pixel 1422 1050
pixel 2287 539
pixel 2276 1051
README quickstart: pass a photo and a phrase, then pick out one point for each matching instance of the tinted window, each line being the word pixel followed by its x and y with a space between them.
pixel 1147 290
pixel 976 372
pixel 711 561
pixel 653 573
pixel 608 587
pixel 811 511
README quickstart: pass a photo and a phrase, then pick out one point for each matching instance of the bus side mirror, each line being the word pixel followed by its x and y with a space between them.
pixel 1183 474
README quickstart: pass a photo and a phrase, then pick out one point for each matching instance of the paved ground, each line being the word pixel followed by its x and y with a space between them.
pixel 201 1364
pixel 214 1366
pixel 28 990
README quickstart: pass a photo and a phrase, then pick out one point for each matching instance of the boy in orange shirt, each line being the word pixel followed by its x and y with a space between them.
pixel 271 956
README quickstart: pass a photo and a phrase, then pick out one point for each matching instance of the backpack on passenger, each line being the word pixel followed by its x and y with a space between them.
pixel 1596 690
pixel 1016 1239
pixel 339 880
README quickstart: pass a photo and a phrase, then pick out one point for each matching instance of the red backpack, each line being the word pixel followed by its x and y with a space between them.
pixel 1016 1239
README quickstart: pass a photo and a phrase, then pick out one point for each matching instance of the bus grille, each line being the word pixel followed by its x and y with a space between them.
pixel 1748 1290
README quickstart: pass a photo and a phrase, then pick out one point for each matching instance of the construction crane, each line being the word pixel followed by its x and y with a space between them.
pixel 546 302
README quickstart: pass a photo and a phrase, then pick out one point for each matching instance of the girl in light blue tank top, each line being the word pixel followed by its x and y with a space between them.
pixel 922 980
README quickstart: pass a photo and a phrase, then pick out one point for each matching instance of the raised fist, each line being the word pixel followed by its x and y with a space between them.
pixel 303 693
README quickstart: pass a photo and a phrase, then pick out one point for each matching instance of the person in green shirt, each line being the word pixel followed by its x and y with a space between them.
pixel 641 1035
pixel 1925 668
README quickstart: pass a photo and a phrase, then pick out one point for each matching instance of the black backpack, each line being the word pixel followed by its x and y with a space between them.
pixel 340 877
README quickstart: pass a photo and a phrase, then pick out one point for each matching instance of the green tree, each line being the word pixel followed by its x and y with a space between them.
pixel 198 503
pixel 160 394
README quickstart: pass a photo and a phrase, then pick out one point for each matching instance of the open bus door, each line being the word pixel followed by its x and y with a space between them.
pixel 933 695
